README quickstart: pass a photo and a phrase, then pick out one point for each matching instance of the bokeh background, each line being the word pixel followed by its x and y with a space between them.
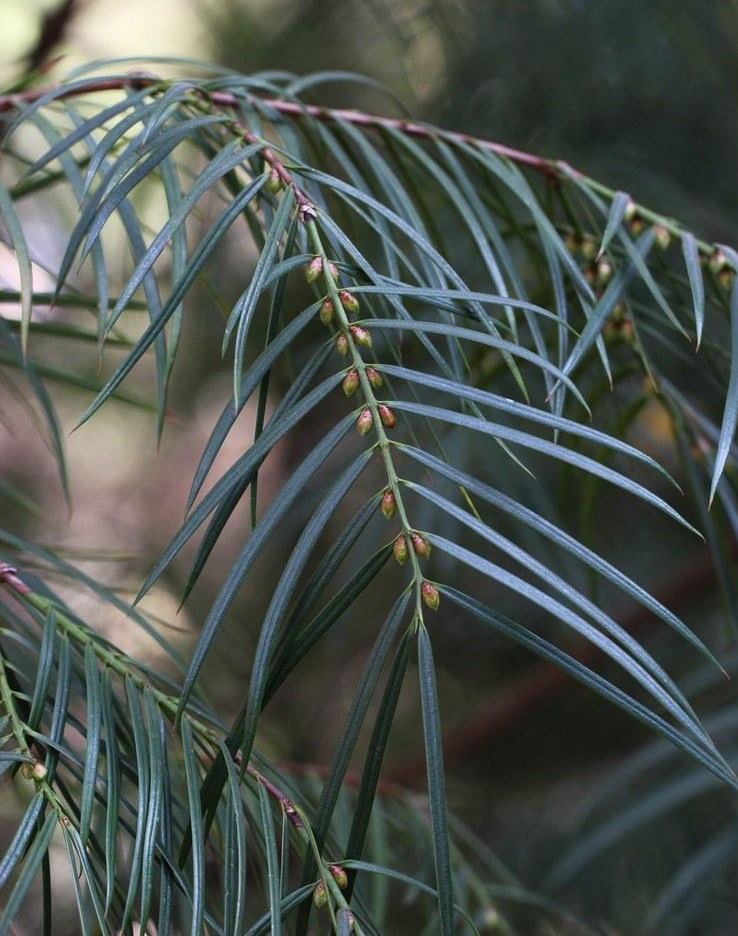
pixel 641 96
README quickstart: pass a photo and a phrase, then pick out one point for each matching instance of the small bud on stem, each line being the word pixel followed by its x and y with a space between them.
pixel 274 182
pixel 365 422
pixel 399 549
pixel 374 378
pixel 350 383
pixel 388 506
pixel 430 596
pixel 339 875
pixel 326 311
pixel 320 897
pixel 420 545
pixel 313 269
pixel 361 336
pixel 388 418
pixel 349 302
pixel 661 236
pixel 342 344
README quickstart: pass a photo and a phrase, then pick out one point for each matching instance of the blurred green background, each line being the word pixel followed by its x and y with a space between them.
pixel 642 96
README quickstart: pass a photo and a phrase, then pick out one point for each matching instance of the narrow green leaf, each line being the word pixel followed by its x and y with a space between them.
pixel 33 858
pixel 94 724
pixel 625 659
pixel 561 540
pixel 243 731
pixel 255 374
pixel 234 898
pixel 243 311
pixel 192 778
pixel 270 846
pixel 24 833
pixel 433 741
pixel 333 783
pixel 155 794
pixel 691 255
pixel 230 157
pixel 44 670
pixel 96 122
pixel 708 757
pixel 376 748
pixel 618 207
pixel 730 412
pixel 18 242
pixel 112 785
pixel 295 646
pixel 142 808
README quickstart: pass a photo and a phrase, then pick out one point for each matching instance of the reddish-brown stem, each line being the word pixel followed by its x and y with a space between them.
pixel 9 577
pixel 549 168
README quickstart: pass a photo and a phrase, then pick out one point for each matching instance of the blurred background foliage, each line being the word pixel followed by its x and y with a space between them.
pixel 641 96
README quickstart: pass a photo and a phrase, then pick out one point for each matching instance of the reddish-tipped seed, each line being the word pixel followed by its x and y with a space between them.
pixel 320 897
pixel 361 336
pixel 388 418
pixel 388 505
pixel 349 301
pixel 430 596
pixel 661 236
pixel 350 383
pixel 399 549
pixel 588 248
pixel 342 344
pixel 326 311
pixel 420 545
pixel 374 378
pixel 603 273
pixel 365 422
pixel 274 182
pixel 717 262
pixel 339 876
pixel 39 771
pixel 313 269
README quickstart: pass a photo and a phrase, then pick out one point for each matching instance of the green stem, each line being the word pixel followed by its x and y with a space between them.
pixel 383 442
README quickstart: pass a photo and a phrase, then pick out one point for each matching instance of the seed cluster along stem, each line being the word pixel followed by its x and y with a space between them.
pixel 116 662
pixel 383 442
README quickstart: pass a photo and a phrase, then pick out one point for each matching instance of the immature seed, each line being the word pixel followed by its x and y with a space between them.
pixel 274 182
pixel 320 897
pixel 365 422
pixel 39 771
pixel 361 336
pixel 349 302
pixel 430 596
pixel 342 344
pixel 603 274
pixel 661 236
pixel 339 875
pixel 588 248
pixel 388 505
pixel 399 549
pixel 326 311
pixel 350 383
pixel 374 378
pixel 387 416
pixel 717 262
pixel 420 545
pixel 313 269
